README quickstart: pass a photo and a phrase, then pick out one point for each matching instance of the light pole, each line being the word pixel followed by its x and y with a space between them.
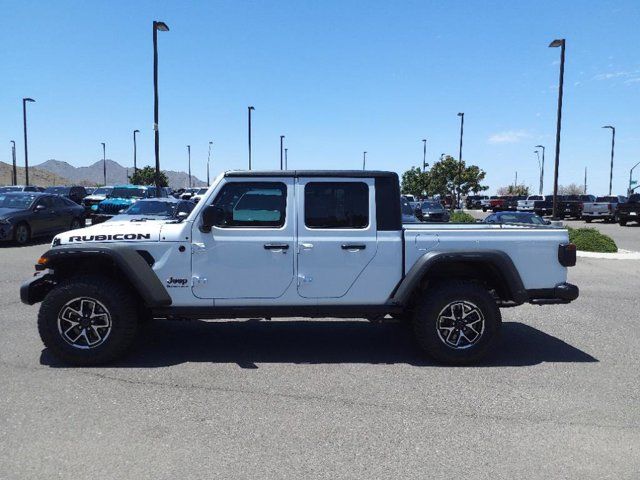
pixel 461 115
pixel 157 26
pixel 135 152
pixel 14 174
pixel 189 157
pixel 585 180
pixel 104 162
pixel 281 152
pixel 630 190
pixel 542 169
pixel 208 160
pixel 364 160
pixel 250 109
pixel 537 152
pixel 613 144
pixel 26 150
pixel 555 44
pixel 424 154
pixel 286 159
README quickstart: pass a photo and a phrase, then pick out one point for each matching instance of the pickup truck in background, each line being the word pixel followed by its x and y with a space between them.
pixel 295 244
pixel 486 203
pixel 528 205
pixel 545 206
pixel 511 203
pixel 573 204
pixel 498 204
pixel 629 211
pixel 604 208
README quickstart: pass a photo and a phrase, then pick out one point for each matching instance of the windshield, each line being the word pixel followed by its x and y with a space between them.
pixel 606 199
pixel 534 197
pixel 17 201
pixel 102 191
pixel 165 209
pixel 521 218
pixel 128 193
pixel 432 205
pixel 58 190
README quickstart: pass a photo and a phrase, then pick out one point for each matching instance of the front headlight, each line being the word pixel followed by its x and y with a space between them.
pixel 94 208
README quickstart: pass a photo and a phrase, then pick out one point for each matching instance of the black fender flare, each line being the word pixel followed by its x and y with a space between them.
pixel 500 261
pixel 133 264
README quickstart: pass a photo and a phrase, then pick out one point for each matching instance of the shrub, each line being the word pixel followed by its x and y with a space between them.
pixel 591 240
pixel 462 217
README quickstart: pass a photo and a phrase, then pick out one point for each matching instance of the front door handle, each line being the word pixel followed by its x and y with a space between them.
pixel 276 246
pixel 354 247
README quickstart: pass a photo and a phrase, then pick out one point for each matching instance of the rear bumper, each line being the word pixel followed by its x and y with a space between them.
pixel 561 293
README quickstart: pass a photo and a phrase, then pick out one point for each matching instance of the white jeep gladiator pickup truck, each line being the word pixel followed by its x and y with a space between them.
pixel 295 243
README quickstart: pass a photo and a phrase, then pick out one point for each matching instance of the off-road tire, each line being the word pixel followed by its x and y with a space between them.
pixel 119 304
pixel 428 312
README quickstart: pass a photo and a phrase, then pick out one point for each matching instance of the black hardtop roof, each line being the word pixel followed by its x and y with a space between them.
pixel 311 173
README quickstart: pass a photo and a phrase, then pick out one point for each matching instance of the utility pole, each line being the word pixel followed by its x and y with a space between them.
pixel 555 44
pixel 157 26
pixel 585 180
pixel 189 157
pixel 424 154
pixel 281 152
pixel 250 109
pixel 613 144
pixel 135 152
pixel 542 169
pixel 208 160
pixel 364 160
pixel 26 149
pixel 104 162
pixel 461 115
pixel 286 160
pixel 14 174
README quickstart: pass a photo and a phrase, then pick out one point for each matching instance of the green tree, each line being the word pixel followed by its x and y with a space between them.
pixel 449 177
pixel 147 176
pixel 415 182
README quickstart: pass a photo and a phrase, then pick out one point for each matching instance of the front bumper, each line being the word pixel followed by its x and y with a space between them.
pixel 6 232
pixel 561 293
pixel 36 288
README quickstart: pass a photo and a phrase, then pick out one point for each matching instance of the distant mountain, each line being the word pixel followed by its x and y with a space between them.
pixel 38 177
pixel 116 174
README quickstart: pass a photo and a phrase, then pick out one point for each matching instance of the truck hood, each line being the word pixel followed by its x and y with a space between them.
pixel 110 232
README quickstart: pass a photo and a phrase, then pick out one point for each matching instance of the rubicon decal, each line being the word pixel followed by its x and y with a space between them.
pixel 176 282
pixel 116 236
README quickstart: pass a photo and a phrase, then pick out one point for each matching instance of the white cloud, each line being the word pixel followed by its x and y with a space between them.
pixel 511 136
pixel 610 75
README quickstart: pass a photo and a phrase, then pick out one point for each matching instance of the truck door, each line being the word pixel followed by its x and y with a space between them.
pixel 250 253
pixel 336 234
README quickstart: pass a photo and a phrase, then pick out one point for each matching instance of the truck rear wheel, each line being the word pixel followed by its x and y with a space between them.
pixel 88 320
pixel 457 322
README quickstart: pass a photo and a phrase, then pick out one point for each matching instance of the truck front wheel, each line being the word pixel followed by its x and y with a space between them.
pixel 88 320
pixel 457 322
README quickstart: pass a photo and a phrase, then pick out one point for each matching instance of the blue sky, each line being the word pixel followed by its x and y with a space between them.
pixel 335 77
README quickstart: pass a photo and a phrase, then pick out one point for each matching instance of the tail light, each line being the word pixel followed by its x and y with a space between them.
pixel 567 254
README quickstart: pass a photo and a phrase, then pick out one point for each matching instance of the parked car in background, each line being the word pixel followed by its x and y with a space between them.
pixel 409 197
pixel 188 193
pixel 20 188
pixel 629 211
pixel 516 217
pixel 74 192
pixel 433 211
pixel 199 194
pixel 121 198
pixel 528 205
pixel 511 202
pixel 90 190
pixel 604 208
pixel 486 203
pixel 545 206
pixel 167 208
pixel 498 204
pixel 408 211
pixel 26 215
pixel 573 204
pixel 98 195
pixel 474 201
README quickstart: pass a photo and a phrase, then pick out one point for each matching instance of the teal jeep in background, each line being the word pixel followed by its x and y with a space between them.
pixel 121 198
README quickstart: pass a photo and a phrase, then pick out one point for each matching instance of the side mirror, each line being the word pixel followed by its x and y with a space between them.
pixel 39 208
pixel 211 215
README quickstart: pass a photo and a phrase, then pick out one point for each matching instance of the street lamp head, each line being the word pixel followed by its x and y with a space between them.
pixel 609 126
pixel 210 143
pixel 461 114
pixel 536 151
pixel 539 146
pixel 557 43
pixel 103 144
pixel 281 136
pixel 161 26
pixel 251 108
pixel 28 99
pixel 424 140
pixel 136 131
pixel 13 142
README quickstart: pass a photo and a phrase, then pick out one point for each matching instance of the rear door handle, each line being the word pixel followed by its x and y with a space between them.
pixel 354 247
pixel 276 246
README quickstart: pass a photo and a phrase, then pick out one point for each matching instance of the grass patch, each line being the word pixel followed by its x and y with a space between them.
pixel 462 217
pixel 591 240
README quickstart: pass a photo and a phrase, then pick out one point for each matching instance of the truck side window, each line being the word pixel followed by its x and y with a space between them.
pixel 336 205
pixel 253 204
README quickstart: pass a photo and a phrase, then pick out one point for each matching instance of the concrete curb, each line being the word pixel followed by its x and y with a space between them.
pixel 620 255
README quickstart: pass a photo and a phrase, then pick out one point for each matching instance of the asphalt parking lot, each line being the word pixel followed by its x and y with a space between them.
pixel 332 398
